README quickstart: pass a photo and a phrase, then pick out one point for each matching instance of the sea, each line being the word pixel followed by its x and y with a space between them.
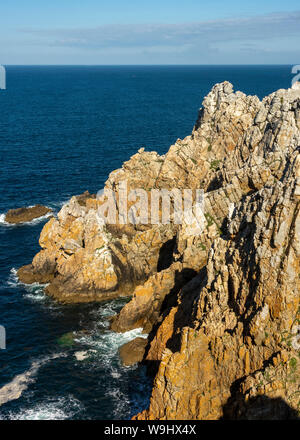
pixel 63 129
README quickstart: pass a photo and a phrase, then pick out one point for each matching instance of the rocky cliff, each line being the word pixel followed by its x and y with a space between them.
pixel 221 307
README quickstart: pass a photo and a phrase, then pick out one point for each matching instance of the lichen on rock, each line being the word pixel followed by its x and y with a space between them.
pixel 221 306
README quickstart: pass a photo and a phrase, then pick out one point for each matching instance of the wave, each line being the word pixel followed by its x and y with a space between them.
pixel 13 280
pixel 56 206
pixel 104 347
pixel 14 389
pixel 51 409
pixel 121 403
pixel 109 309
pixel 2 220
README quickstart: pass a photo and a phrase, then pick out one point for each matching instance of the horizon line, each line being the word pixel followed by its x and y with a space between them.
pixel 147 65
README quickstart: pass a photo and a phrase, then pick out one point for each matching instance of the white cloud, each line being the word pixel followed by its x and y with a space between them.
pixel 203 34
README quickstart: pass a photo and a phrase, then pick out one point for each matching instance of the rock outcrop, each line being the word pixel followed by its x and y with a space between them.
pixel 26 214
pixel 83 261
pixel 229 347
pixel 221 306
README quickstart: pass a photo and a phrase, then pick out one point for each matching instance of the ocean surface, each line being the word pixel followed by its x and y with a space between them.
pixel 62 130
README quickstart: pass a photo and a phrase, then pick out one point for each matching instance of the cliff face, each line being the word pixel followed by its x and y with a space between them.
pixel 221 307
pixel 229 346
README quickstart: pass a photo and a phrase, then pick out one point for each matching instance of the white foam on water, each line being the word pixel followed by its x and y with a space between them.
pixel 60 204
pixel 52 409
pixel 13 280
pixel 35 291
pixel 108 342
pixel 107 310
pixel 14 389
pixel 121 403
pixel 126 405
pixel 105 345
pixel 115 373
pixel 2 220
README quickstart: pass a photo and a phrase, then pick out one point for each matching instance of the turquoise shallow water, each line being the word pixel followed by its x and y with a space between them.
pixel 62 130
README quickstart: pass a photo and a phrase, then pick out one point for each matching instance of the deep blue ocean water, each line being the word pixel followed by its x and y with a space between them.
pixel 62 130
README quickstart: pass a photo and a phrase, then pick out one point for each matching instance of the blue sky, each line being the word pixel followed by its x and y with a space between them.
pixel 150 32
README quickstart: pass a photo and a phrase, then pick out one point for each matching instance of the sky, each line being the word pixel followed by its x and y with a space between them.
pixel 96 32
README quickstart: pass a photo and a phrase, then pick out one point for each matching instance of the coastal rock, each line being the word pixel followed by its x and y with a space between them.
pixel 219 297
pixel 26 214
pixel 82 198
pixel 83 261
pixel 229 347
pixel 133 352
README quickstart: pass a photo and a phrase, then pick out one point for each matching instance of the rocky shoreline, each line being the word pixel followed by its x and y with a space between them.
pixel 221 307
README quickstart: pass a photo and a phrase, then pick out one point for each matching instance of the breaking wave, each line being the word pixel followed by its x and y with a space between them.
pixel 52 409
pixel 34 291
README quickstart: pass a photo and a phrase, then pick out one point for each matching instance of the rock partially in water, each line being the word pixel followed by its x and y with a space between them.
pixel 133 352
pixel 82 355
pixel 26 214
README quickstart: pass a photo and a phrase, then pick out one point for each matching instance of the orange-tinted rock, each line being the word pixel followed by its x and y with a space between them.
pixel 221 304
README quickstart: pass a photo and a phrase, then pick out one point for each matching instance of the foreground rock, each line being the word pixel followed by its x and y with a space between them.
pixel 22 215
pixel 221 306
pixel 133 352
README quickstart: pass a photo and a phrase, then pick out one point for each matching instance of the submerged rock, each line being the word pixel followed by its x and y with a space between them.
pixel 26 214
pixel 67 339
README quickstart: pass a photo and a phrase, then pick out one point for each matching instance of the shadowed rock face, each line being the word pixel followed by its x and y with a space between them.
pixel 221 307
pixel 22 215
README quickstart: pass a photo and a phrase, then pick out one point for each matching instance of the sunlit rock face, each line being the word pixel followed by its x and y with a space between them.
pixel 221 306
